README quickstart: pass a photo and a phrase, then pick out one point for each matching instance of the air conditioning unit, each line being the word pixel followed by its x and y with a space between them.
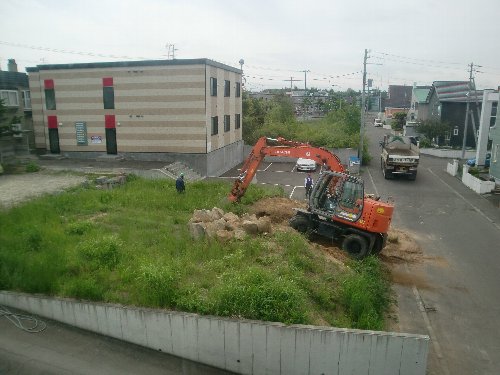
pixel 17 129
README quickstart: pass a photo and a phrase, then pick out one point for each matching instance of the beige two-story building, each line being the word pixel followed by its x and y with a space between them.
pixel 166 110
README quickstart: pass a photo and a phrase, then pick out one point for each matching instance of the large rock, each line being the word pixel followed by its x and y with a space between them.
pixel 201 216
pixel 264 224
pixel 249 217
pixel 197 230
pixel 250 227
pixel 224 235
pixel 239 234
pixel 214 226
pixel 216 213
pixel 230 217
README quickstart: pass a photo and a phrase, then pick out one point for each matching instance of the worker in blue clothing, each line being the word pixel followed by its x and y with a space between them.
pixel 179 184
pixel 308 184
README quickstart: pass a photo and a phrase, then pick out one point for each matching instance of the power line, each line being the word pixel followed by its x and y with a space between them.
pixel 80 53
pixel 416 59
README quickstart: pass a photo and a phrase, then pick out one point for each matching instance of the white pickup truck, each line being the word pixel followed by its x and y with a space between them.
pixel 400 156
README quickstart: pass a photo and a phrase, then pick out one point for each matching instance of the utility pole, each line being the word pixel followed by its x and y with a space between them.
pixel 305 92
pixel 362 127
pixel 171 51
pixel 292 80
pixel 305 78
pixel 466 122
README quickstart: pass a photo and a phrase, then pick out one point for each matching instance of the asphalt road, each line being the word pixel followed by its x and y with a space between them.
pixel 453 295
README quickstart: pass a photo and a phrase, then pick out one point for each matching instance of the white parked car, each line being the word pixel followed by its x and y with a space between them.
pixel 377 122
pixel 305 165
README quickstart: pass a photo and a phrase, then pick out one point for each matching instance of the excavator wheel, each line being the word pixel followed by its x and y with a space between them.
pixel 355 245
pixel 378 245
pixel 300 223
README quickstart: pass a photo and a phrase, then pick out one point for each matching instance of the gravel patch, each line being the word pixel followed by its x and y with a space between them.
pixel 15 189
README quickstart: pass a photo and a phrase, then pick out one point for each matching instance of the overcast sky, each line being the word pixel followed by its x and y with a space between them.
pixel 414 41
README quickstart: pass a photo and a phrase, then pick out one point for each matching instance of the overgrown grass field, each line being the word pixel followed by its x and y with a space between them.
pixel 131 246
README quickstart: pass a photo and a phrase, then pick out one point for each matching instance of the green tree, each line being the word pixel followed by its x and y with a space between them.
pixel 281 111
pixel 4 125
pixel 398 121
pixel 254 113
pixel 433 129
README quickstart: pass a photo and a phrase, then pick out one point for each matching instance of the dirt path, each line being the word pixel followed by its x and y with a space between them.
pixel 15 189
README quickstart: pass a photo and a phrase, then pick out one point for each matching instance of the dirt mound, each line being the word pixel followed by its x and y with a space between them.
pixel 278 209
pixel 401 247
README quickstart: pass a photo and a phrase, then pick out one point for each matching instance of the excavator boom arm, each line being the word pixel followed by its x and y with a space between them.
pixel 280 147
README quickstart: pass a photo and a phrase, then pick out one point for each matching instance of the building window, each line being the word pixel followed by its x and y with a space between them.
pixel 215 125
pixel 213 86
pixel 238 89
pixel 227 88
pixel 108 93
pixel 10 98
pixel 227 123
pixel 27 99
pixel 493 117
pixel 495 154
pixel 455 131
pixel 50 95
pixel 237 121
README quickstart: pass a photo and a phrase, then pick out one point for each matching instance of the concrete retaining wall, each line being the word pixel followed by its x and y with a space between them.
pixel 476 184
pixel 452 168
pixel 242 346
pixel 445 153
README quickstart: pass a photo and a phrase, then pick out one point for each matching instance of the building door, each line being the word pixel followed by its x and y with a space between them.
pixel 110 125
pixel 53 134
pixel 54 141
pixel 111 141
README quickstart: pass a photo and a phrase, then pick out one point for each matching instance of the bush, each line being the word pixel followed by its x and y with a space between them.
pixel 102 252
pixel 159 284
pixel 32 167
pixel 79 227
pixel 85 288
pixel 32 239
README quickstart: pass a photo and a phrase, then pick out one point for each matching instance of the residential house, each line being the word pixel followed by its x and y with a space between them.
pixel 187 110
pixel 489 131
pixel 15 92
pixel 398 100
pixel 448 102
pixel 419 108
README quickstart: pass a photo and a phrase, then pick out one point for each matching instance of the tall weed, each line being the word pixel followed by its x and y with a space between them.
pixel 257 294
pixel 101 252
pixel 158 284
pixel 365 294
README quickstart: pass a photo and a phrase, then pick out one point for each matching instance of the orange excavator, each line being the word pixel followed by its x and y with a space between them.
pixel 337 209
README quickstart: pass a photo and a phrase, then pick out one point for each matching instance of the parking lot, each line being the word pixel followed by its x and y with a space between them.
pixel 279 173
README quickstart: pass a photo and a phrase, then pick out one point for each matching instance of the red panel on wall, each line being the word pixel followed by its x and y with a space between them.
pixel 109 121
pixel 107 81
pixel 52 122
pixel 48 84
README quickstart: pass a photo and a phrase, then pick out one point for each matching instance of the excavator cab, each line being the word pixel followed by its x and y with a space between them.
pixel 338 194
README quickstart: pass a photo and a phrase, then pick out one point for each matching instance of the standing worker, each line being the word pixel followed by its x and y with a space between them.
pixel 179 184
pixel 308 183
